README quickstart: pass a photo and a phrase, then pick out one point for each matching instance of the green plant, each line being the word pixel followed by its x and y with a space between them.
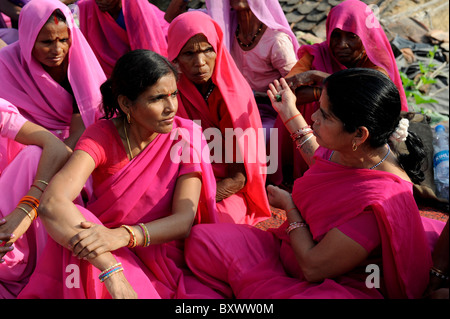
pixel 413 86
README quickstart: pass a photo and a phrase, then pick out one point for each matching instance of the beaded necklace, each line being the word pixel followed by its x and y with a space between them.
pixel 252 40
pixel 211 88
pixel 376 165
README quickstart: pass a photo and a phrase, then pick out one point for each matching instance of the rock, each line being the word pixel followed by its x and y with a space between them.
pixel 294 17
pixel 306 7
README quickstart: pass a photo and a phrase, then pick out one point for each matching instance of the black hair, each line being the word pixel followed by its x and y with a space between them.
pixel 58 15
pixel 366 97
pixel 133 73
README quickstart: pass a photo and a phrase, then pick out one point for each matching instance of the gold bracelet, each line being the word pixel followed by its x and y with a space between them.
pixel 26 212
pixel 132 242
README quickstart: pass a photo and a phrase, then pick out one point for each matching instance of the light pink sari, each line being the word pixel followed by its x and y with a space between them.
pixel 15 182
pixel 268 12
pixel 246 262
pixel 38 97
pixel 140 192
pixel 10 123
pixel 250 205
pixel 146 28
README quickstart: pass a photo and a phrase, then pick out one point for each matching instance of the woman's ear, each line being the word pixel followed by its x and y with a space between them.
pixel 361 135
pixel 124 103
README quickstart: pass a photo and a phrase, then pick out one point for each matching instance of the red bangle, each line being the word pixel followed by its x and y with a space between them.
pixel 292 118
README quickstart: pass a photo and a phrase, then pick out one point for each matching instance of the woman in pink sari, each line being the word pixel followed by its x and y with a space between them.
pixel 261 42
pixel 114 27
pixel 150 186
pixel 355 38
pixel 353 229
pixel 22 235
pixel 213 91
pixel 51 75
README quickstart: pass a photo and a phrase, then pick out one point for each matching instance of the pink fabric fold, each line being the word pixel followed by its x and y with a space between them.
pixel 10 123
pixel 405 252
pixel 140 192
pixel 37 96
pixel 240 103
pixel 268 12
pixel 146 28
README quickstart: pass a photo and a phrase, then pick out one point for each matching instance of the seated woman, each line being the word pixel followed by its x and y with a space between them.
pixel 114 27
pixel 261 42
pixel 353 229
pixel 129 240
pixel 354 39
pixel 213 90
pixel 22 235
pixel 51 75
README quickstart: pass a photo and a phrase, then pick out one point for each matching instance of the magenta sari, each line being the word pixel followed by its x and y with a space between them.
pixel 146 28
pixel 38 97
pixel 246 262
pixel 140 192
pixel 250 205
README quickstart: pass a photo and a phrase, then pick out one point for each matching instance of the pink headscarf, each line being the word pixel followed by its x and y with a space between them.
pixel 146 28
pixel 356 17
pixel 268 12
pixel 30 88
pixel 236 92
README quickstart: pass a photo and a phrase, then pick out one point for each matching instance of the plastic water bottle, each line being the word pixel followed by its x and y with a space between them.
pixel 440 162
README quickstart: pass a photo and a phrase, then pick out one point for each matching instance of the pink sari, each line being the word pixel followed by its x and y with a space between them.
pixel 10 123
pixel 250 205
pixel 145 29
pixel 268 12
pixel 38 97
pixel 246 262
pixel 140 192
pixel 351 16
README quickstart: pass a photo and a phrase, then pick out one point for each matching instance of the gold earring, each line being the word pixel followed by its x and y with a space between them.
pixel 354 146
pixel 128 118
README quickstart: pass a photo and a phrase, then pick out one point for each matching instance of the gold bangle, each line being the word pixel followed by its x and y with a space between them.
pixel 132 242
pixel 26 212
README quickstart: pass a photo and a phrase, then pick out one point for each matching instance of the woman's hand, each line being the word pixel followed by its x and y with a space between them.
pixel 119 287
pixel 282 98
pixel 5 241
pixel 308 78
pixel 279 198
pixel 96 239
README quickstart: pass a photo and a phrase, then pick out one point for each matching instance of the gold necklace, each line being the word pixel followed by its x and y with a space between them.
pixel 128 141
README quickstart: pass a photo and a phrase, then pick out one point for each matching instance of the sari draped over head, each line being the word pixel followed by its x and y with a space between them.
pixel 140 192
pixel 356 17
pixel 406 257
pixel 10 123
pixel 268 12
pixel 26 84
pixel 239 101
pixel 146 28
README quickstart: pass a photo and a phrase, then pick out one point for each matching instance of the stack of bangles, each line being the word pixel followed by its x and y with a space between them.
pixel 108 272
pixel 439 273
pixel 295 225
pixel 317 93
pixel 299 136
pixel 133 242
pixel 33 203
